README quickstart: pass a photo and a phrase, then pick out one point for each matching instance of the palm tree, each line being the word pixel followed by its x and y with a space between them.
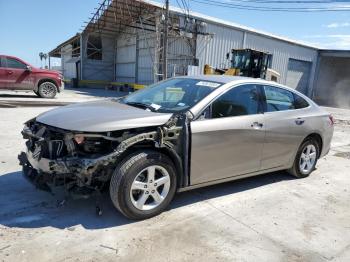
pixel 45 57
pixel 41 55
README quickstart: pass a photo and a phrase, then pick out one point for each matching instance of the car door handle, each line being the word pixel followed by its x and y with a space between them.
pixel 257 125
pixel 9 72
pixel 299 121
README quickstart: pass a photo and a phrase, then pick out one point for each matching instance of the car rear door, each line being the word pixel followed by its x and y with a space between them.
pixel 227 139
pixel 18 77
pixel 3 74
pixel 284 124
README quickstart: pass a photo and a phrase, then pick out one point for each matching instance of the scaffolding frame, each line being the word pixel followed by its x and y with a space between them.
pixel 113 18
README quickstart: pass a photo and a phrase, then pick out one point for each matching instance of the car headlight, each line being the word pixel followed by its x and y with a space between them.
pixel 79 139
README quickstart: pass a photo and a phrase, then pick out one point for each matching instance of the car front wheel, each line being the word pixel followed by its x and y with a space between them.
pixel 306 159
pixel 143 185
pixel 47 90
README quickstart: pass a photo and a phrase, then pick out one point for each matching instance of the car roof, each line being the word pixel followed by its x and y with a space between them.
pixel 234 80
pixel 226 79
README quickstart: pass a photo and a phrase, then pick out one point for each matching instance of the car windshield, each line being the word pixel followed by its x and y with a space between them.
pixel 173 95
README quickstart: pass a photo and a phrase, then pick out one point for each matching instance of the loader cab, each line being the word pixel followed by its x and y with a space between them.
pixel 249 63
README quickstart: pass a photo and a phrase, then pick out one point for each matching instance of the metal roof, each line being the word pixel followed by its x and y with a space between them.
pixel 56 52
pixel 234 25
pixel 335 53
pixel 113 16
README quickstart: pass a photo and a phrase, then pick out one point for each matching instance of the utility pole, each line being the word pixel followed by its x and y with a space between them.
pixel 165 41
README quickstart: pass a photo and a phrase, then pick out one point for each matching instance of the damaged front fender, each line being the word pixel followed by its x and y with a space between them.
pixel 80 170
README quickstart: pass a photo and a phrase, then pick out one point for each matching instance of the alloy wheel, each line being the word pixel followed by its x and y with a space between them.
pixel 48 89
pixel 150 187
pixel 307 159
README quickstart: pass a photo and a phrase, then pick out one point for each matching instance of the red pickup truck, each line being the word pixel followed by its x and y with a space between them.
pixel 15 74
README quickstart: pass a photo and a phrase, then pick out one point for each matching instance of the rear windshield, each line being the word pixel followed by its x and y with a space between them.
pixel 173 95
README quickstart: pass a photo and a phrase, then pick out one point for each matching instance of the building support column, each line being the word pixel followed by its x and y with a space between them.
pixel 82 49
pixel 244 40
pixel 137 58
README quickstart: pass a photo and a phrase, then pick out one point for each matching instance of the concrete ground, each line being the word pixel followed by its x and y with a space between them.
pixel 273 217
pixel 69 95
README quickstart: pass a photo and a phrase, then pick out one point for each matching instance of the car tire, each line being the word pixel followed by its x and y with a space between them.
pixel 47 90
pixel 306 159
pixel 134 190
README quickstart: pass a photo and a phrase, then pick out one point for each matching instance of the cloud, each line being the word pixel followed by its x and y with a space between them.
pixel 328 36
pixel 333 41
pixel 337 25
pixel 339 6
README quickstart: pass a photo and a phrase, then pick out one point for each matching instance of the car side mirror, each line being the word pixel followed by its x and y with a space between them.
pixel 28 68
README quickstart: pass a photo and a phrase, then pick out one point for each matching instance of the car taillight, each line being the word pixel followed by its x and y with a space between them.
pixel 332 120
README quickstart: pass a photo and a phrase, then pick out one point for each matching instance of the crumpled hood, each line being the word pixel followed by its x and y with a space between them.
pixel 101 116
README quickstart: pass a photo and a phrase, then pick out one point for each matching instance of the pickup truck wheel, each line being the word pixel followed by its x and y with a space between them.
pixel 143 185
pixel 47 90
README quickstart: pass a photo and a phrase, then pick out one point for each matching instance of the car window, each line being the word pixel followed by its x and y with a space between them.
pixel 278 99
pixel 1 62
pixel 299 102
pixel 240 100
pixel 173 95
pixel 14 63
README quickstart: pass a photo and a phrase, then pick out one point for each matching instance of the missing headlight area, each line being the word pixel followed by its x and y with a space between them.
pixel 83 162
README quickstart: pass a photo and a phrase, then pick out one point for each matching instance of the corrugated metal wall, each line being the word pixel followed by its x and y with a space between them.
pixel 99 69
pixel 68 65
pixel 281 53
pixel 213 51
pixel 126 58
pixel 134 57
pixel 130 58
pixel 180 56
pixel 146 56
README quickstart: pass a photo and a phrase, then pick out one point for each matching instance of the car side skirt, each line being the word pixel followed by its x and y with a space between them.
pixel 219 181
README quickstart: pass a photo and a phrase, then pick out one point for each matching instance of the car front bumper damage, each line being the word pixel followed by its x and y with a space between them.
pixel 76 172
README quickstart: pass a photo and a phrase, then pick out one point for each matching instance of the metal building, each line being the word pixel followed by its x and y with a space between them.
pixel 123 43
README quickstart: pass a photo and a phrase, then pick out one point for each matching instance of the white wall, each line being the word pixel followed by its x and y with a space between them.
pixel 68 68
pixel 99 69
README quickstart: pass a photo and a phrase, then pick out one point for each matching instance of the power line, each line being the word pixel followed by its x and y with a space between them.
pixel 293 1
pixel 184 5
pixel 235 5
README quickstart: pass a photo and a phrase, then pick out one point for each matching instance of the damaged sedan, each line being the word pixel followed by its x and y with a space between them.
pixel 178 134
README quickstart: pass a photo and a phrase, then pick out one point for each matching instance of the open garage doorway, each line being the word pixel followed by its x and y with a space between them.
pixel 332 83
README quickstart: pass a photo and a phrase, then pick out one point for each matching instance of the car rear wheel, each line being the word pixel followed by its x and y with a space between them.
pixel 306 159
pixel 143 185
pixel 47 90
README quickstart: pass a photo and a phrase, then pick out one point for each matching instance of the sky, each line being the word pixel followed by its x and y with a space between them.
pixel 30 27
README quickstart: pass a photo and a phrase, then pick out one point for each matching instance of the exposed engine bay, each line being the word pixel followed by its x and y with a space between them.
pixel 83 162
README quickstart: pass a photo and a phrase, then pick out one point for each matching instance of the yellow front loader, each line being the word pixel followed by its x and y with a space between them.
pixel 248 63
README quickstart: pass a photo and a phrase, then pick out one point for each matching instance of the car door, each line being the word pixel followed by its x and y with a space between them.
pixel 3 74
pixel 227 139
pixel 284 122
pixel 18 77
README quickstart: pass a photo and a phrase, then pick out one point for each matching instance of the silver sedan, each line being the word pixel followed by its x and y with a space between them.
pixel 176 135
